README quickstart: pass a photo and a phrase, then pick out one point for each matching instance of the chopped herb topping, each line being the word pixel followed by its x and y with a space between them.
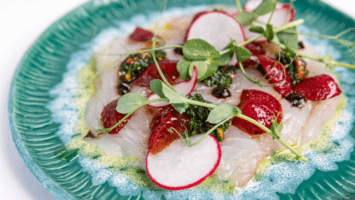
pixel 132 66
pixel 222 77
pixel 198 119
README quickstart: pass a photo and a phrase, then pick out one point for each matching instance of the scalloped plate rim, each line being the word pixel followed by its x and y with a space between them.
pixel 55 190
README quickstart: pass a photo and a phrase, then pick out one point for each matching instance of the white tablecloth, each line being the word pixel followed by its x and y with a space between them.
pixel 21 22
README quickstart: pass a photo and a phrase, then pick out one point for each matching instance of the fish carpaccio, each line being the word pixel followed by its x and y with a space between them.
pixel 241 152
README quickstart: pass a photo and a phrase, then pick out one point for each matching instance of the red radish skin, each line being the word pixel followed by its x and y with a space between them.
pixel 279 6
pixel 211 32
pixel 200 180
pixel 287 8
pixel 184 87
pixel 196 17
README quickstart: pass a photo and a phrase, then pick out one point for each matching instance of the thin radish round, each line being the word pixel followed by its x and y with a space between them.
pixel 252 4
pixel 283 14
pixel 216 28
pixel 184 88
pixel 179 166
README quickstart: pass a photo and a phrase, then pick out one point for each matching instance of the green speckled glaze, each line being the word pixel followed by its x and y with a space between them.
pixel 44 63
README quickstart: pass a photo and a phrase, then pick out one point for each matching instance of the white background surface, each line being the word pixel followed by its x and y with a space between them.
pixel 21 22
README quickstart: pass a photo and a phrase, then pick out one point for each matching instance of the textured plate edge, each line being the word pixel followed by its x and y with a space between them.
pixel 46 182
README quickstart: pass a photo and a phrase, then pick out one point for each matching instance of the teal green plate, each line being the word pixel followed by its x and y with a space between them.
pixel 44 64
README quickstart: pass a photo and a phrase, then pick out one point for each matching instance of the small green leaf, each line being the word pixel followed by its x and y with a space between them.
pixel 327 58
pixel 265 7
pixel 183 68
pixel 178 101
pixel 246 18
pixel 276 128
pixel 198 49
pixel 130 102
pixel 269 33
pixel 328 61
pixel 227 57
pixel 289 38
pixel 257 29
pixel 243 54
pixel 201 66
pixel 222 112
pixel 204 68
pixel 157 87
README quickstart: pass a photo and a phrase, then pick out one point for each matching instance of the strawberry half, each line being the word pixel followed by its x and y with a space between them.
pixel 162 134
pixel 260 106
pixel 141 35
pixel 168 68
pixel 317 88
pixel 109 117
pixel 277 74
pixel 256 48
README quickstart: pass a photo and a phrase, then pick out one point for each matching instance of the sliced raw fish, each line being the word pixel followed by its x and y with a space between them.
pixel 241 155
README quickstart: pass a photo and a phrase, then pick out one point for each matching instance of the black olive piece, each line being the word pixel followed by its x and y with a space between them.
pixel 296 100
pixel 221 92
pixel 300 45
pixel 261 69
pixel 178 50
pixel 123 88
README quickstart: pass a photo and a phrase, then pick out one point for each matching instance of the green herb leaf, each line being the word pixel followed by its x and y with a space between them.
pixel 198 49
pixel 157 87
pixel 204 68
pixel 269 33
pixel 183 67
pixel 246 18
pixel 328 60
pixel 130 102
pixel 289 38
pixel 276 128
pixel 243 54
pixel 257 29
pixel 222 112
pixel 227 57
pixel 265 7
pixel 177 100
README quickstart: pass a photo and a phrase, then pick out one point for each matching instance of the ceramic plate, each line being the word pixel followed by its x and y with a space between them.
pixel 46 61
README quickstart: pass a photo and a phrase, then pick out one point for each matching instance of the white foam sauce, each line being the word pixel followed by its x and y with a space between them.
pixel 285 177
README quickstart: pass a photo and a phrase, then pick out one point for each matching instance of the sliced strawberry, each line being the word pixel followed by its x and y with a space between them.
pixel 260 106
pixel 141 35
pixel 167 67
pixel 317 88
pixel 256 48
pixel 164 126
pixel 109 117
pixel 277 74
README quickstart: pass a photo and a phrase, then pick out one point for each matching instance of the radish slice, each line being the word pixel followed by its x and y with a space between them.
pixel 283 14
pixel 216 28
pixel 184 87
pixel 252 4
pixel 179 167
